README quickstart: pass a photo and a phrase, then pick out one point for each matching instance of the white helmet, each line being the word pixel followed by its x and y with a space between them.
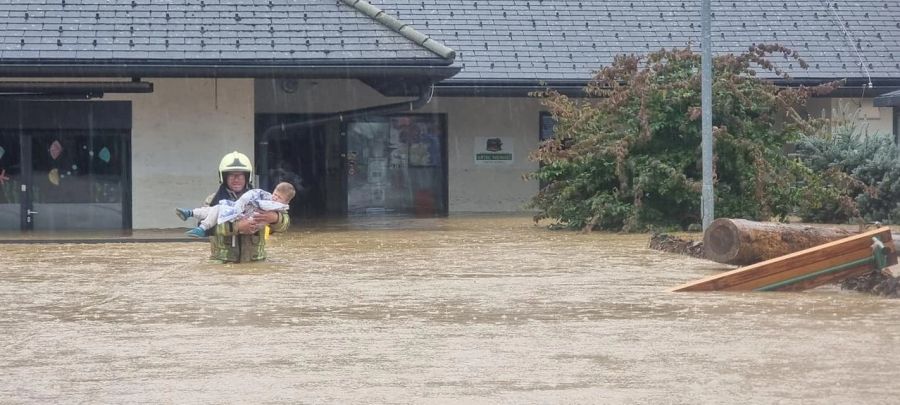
pixel 235 162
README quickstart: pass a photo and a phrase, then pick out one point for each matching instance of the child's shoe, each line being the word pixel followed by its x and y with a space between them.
pixel 197 232
pixel 184 213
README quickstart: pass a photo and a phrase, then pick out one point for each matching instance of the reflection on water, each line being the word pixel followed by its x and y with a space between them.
pixel 447 310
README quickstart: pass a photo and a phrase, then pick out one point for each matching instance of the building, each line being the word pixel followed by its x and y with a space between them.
pixel 113 114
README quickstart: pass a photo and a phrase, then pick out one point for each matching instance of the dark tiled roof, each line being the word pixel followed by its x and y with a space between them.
pixel 495 40
pixel 557 40
pixel 237 31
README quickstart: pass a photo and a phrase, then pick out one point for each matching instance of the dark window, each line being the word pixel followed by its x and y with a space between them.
pixel 65 165
pixel 547 126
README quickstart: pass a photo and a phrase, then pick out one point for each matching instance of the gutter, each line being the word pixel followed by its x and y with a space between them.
pixel 424 97
pixel 850 82
pixel 456 88
pixel 575 88
pixel 220 69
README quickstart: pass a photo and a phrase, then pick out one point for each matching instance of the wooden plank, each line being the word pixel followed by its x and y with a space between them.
pixel 802 269
pixel 746 278
pixel 807 261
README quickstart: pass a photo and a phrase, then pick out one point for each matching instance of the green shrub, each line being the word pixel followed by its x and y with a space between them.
pixel 627 157
pixel 864 168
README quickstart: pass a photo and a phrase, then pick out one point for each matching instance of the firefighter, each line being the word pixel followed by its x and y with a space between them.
pixel 243 240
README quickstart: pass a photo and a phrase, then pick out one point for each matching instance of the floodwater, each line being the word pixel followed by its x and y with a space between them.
pixel 455 310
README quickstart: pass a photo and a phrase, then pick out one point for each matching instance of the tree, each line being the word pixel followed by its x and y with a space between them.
pixel 627 156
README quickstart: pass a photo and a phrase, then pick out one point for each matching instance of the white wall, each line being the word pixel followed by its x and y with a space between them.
pixel 489 188
pixel 179 134
pixel 316 96
pixel 867 118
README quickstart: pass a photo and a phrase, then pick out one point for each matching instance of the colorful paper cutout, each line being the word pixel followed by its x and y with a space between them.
pixel 55 150
pixel 3 176
pixel 2 152
pixel 53 176
pixel 104 154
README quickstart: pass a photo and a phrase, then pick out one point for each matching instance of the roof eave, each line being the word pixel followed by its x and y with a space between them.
pixel 891 99
pixel 522 88
pixel 418 69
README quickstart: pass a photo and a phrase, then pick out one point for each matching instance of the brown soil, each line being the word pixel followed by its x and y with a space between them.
pixel 674 244
pixel 873 283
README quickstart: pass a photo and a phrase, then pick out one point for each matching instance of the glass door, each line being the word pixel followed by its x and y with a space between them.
pixel 397 165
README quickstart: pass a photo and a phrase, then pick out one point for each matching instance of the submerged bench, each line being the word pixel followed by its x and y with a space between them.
pixel 834 261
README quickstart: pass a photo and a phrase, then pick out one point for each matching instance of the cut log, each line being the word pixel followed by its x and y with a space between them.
pixel 742 242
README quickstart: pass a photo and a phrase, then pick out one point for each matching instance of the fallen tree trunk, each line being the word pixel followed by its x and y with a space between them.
pixel 742 242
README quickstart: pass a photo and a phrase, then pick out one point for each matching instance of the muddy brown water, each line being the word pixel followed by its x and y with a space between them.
pixel 468 309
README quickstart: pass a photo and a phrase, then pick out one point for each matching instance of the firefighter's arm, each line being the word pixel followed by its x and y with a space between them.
pixel 277 221
pixel 244 226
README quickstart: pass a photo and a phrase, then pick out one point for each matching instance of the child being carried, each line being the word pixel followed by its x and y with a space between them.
pixel 228 211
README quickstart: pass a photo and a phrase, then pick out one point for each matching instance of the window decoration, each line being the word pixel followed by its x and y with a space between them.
pixel 55 150
pixel 53 176
pixel 104 154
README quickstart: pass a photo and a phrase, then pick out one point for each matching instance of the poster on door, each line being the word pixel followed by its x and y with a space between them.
pixel 496 150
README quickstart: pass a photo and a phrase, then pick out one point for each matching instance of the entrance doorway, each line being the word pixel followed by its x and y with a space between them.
pixel 65 165
pixel 310 158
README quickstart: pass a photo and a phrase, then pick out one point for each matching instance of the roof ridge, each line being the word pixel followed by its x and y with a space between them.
pixel 402 28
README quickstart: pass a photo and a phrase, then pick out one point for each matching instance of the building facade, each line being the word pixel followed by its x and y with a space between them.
pixel 114 114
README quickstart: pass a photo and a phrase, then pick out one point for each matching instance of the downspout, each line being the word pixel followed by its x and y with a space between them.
pixel 262 160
